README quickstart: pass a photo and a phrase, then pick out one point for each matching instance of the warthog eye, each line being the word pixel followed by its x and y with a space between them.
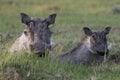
pixel 25 32
pixel 93 36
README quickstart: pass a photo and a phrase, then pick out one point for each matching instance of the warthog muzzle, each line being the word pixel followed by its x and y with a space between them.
pixel 40 50
pixel 102 53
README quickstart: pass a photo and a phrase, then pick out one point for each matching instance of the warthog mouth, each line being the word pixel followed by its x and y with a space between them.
pixel 40 54
pixel 102 53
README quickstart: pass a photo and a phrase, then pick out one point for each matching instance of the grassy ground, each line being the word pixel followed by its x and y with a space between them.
pixel 72 16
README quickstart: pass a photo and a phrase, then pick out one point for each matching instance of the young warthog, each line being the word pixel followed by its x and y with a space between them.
pixel 36 36
pixel 93 47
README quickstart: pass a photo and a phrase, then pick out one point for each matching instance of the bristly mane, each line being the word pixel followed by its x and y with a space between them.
pixel 80 43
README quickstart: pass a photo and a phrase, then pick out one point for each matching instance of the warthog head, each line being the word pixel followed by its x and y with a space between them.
pixel 98 40
pixel 37 32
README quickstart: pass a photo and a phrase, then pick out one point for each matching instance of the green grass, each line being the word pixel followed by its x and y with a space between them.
pixel 72 16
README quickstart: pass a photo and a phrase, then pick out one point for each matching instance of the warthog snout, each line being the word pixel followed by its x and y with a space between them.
pixel 102 49
pixel 102 52
pixel 39 49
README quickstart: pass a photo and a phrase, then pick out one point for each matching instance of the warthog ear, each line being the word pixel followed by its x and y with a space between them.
pixel 25 19
pixel 51 19
pixel 107 30
pixel 87 31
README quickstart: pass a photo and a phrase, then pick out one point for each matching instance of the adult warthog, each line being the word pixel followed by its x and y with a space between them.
pixel 36 36
pixel 93 47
